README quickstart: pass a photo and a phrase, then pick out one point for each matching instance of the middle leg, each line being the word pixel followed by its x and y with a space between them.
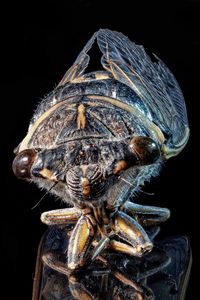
pixel 131 232
pixel 146 215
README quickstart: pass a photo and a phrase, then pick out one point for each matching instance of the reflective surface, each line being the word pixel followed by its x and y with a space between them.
pixel 160 274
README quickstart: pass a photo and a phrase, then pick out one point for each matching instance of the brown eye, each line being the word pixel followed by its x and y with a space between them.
pixel 145 149
pixel 23 162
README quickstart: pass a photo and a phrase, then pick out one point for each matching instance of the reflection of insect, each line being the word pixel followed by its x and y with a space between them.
pixel 96 138
pixel 161 274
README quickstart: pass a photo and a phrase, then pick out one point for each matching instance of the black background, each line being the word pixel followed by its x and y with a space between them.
pixel 38 44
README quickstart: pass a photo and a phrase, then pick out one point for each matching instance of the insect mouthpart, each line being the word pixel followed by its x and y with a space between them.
pixel 86 182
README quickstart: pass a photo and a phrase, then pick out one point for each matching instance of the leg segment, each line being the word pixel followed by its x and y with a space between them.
pixel 146 215
pixel 78 290
pixel 100 246
pixel 129 230
pixel 80 242
pixel 123 248
pixel 61 216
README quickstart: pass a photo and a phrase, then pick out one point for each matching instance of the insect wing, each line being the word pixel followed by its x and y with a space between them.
pixel 153 82
pixel 80 63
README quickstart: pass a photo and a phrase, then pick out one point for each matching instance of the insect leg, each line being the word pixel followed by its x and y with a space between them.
pixel 50 260
pixel 80 242
pixel 146 215
pixel 100 246
pixel 61 216
pixel 78 289
pixel 121 276
pixel 132 232
pixel 124 279
pixel 123 248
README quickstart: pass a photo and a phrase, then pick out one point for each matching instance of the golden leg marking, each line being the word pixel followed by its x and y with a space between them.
pixel 61 216
pixel 124 248
pixel 132 232
pixel 81 118
pixel 80 242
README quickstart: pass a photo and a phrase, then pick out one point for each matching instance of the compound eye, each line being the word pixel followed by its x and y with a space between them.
pixel 145 149
pixel 23 162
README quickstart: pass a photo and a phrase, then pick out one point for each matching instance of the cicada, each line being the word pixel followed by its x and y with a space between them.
pixel 96 139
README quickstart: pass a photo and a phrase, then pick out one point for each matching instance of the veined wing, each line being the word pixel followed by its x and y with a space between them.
pixel 152 81
pixel 80 63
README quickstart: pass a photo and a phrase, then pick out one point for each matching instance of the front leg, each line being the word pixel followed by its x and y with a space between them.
pixel 132 232
pixel 80 242
pixel 81 236
pixel 61 216
pixel 78 247
pixel 146 215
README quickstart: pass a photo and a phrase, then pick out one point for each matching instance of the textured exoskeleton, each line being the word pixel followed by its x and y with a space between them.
pixel 96 138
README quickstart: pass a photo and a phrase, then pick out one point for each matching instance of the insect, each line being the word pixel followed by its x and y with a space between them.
pixel 96 139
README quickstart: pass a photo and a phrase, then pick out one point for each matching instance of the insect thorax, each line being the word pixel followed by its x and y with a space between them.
pixel 82 131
